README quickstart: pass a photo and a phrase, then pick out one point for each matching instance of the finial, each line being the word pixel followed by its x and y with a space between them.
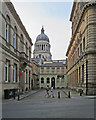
pixel 42 30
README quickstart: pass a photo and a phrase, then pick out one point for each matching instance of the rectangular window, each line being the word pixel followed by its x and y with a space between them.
pixel 42 70
pixel 62 70
pixel 58 70
pixel 7 32
pixel 48 70
pixel 7 70
pixel 53 70
pixel 14 40
pixel 15 73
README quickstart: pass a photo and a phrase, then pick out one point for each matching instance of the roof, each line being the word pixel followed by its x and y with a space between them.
pixel 54 64
pixel 42 36
pixel 36 60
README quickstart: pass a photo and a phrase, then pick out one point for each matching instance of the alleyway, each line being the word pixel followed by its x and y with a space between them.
pixel 39 106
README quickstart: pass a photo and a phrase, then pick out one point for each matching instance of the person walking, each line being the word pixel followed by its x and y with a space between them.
pixel 52 95
pixel 47 91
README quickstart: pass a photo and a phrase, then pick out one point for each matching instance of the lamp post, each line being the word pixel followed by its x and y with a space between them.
pixel 20 74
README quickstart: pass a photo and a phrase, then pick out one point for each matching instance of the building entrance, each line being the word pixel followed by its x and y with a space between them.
pixel 53 82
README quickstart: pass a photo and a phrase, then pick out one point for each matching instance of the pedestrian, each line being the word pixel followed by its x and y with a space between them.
pixel 47 91
pixel 52 95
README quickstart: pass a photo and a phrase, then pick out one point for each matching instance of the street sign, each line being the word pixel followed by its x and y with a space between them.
pixel 20 74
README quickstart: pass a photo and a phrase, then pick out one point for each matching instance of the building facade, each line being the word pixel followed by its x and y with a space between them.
pixel 53 73
pixel 15 49
pixel 81 53
pixel 35 74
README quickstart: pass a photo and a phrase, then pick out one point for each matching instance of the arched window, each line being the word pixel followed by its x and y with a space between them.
pixel 42 47
pixel 7 28
pixel 42 80
pixel 48 80
pixel 15 38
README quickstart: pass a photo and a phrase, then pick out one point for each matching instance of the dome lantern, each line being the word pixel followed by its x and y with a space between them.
pixel 42 30
pixel 42 36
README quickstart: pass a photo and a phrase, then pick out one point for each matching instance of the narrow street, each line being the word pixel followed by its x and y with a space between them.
pixel 40 106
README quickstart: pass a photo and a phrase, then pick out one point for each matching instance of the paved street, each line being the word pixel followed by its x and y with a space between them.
pixel 39 106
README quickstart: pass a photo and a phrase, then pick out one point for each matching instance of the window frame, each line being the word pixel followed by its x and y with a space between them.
pixel 42 79
pixel 7 32
pixel 7 71
pixel 15 73
pixel 14 39
pixel 48 80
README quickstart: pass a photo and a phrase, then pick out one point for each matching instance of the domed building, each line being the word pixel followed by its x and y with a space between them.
pixel 51 72
pixel 42 47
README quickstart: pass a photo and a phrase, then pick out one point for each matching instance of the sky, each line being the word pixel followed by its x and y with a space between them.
pixel 54 16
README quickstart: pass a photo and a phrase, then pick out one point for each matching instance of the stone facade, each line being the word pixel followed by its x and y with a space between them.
pixel 53 74
pixel 15 49
pixel 35 74
pixel 81 53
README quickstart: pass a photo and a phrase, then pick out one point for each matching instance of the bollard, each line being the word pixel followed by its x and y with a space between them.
pixel 69 94
pixel 18 97
pixel 80 93
pixel 59 94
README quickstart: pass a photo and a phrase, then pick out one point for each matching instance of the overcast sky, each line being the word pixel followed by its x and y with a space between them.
pixel 54 16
